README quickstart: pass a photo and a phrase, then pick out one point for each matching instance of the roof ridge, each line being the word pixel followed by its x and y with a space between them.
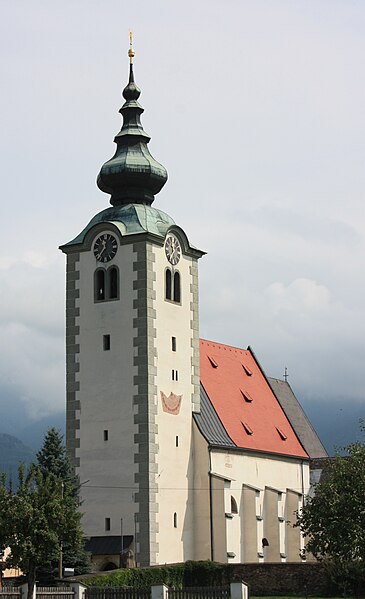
pixel 218 343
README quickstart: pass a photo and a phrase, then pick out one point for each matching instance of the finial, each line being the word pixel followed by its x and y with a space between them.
pixel 131 51
pixel 286 374
pixel 132 176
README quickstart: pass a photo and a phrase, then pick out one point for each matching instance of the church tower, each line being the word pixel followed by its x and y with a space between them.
pixel 132 351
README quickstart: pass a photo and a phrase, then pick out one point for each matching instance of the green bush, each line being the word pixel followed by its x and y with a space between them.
pixel 205 574
pixel 345 576
pixel 189 574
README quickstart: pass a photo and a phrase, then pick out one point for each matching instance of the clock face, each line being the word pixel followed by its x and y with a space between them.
pixel 172 249
pixel 105 247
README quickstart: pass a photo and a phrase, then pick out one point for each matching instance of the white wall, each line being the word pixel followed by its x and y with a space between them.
pixel 107 468
pixel 106 392
pixel 175 474
pixel 269 476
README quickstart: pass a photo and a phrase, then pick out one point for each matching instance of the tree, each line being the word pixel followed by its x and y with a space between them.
pixel 35 519
pixel 333 520
pixel 53 460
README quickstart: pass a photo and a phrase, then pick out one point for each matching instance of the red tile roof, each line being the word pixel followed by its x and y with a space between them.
pixel 244 401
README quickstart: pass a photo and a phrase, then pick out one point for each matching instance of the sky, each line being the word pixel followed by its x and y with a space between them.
pixel 257 110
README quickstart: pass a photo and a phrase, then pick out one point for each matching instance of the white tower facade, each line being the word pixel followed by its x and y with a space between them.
pixel 132 345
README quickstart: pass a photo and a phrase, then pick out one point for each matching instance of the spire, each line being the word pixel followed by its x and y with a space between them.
pixel 132 176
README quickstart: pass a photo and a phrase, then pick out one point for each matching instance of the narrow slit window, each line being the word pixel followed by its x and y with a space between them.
pixel 247 428
pixel 175 520
pixel 234 508
pixel 247 370
pixel 177 292
pixel 246 396
pixel 282 435
pixel 106 342
pixel 106 435
pixel 113 282
pixel 168 284
pixel 173 343
pixel 173 374
pixel 176 441
pixel 107 523
pixel 99 285
pixel 176 375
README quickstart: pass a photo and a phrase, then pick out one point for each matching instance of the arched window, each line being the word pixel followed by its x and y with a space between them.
pixel 234 509
pixel 99 285
pixel 177 294
pixel 106 284
pixel 113 282
pixel 175 520
pixel 168 284
pixel 172 286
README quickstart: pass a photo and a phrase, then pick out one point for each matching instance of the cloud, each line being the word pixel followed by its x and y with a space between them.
pixel 298 325
pixel 27 258
pixel 302 296
pixel 262 132
pixel 32 335
pixel 32 292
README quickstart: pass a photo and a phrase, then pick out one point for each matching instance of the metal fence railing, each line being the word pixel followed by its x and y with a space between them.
pixel 199 593
pixel 59 592
pixel 117 593
pixel 7 592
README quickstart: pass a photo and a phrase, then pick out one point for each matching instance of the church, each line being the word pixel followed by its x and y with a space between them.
pixel 184 449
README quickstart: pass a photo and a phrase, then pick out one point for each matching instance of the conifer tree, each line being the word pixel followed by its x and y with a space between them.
pixel 34 520
pixel 40 518
pixel 53 460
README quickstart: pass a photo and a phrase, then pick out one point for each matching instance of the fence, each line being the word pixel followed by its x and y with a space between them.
pixel 59 592
pixel 117 593
pixel 79 591
pixel 235 591
pixel 199 593
pixel 7 592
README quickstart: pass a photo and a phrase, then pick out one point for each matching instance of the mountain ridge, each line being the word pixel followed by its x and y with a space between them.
pixel 12 453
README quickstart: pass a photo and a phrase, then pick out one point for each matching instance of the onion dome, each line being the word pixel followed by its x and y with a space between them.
pixel 132 176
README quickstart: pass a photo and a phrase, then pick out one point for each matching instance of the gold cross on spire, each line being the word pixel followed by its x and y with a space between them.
pixel 131 51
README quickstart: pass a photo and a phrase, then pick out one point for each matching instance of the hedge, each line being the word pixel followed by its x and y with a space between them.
pixel 190 574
